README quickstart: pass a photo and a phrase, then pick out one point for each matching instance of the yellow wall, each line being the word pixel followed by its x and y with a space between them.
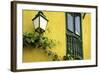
pixel 86 35
pixel 55 30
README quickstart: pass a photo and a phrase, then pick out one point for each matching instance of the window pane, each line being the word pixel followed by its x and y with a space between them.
pixel 70 22
pixel 77 25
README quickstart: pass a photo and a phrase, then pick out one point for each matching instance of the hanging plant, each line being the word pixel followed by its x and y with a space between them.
pixel 37 41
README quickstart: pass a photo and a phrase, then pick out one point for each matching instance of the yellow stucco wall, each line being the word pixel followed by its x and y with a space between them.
pixel 55 30
pixel 86 35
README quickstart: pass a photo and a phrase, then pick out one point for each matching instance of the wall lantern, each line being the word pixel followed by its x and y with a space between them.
pixel 40 22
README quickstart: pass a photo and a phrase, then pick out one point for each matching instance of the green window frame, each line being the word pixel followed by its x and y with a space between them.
pixel 74 36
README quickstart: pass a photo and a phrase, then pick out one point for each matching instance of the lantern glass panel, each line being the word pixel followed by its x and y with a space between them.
pixel 36 22
pixel 43 23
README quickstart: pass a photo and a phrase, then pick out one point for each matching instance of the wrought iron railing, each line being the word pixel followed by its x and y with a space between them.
pixel 74 48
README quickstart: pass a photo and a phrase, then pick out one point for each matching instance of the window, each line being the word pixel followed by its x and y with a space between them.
pixel 74 36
